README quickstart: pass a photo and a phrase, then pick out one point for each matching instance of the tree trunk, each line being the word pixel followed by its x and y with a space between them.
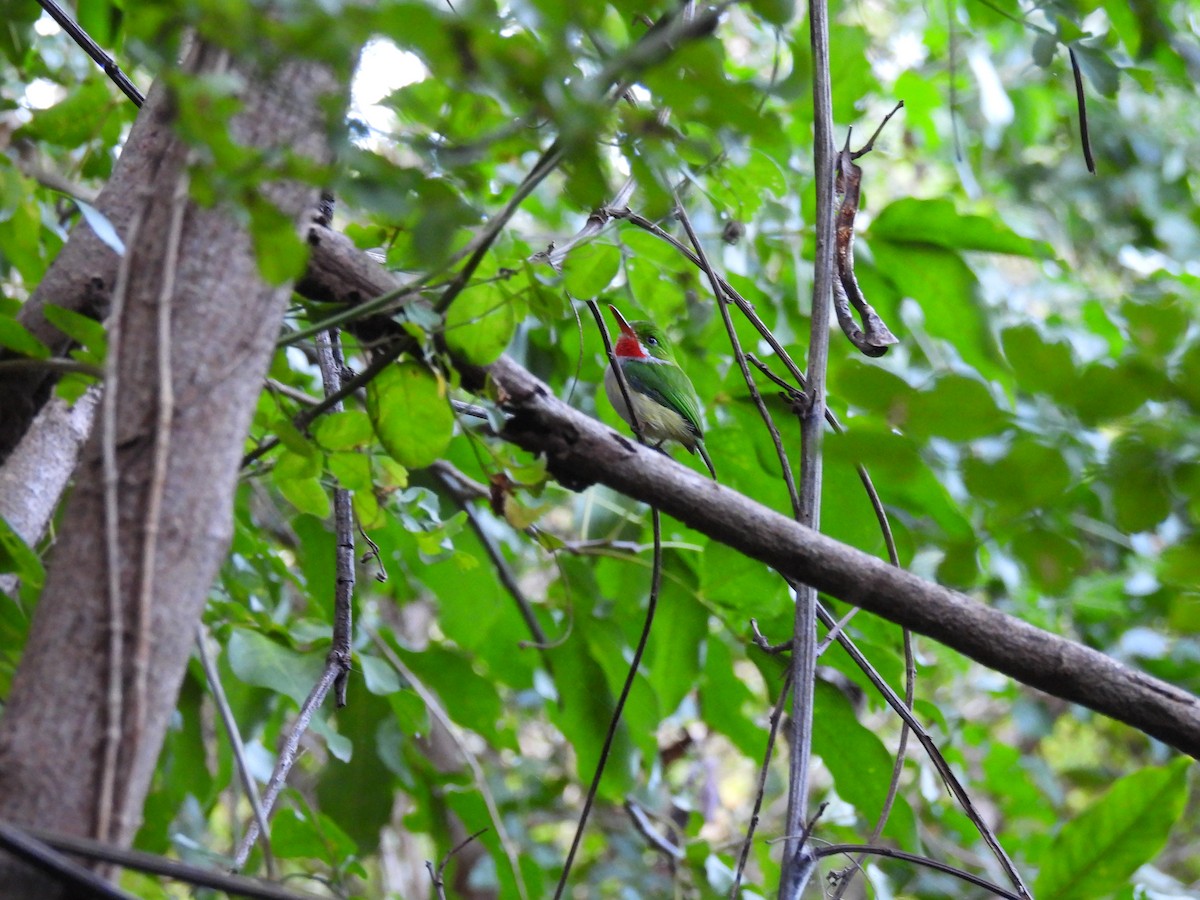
pixel 78 746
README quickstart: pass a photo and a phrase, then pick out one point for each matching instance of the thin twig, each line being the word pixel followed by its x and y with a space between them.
pixel 235 744
pixel 718 290
pixel 438 883
pixel 445 474
pixel 306 417
pixel 643 826
pixel 329 358
pixel 610 83
pixel 804 637
pixel 143 624
pixel 115 702
pixel 834 849
pixel 435 709
pixel 760 790
pixel 643 638
pixel 234 885
pixel 102 59
pixel 287 756
pixel 53 364
pixel 935 755
pixel 84 883
pixel 1081 102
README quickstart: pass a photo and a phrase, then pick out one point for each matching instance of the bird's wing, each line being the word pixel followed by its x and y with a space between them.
pixel 675 382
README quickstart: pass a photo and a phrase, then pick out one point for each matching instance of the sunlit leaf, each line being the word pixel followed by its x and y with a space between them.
pixel 411 413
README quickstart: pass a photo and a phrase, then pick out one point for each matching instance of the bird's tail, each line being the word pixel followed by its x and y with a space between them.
pixel 707 460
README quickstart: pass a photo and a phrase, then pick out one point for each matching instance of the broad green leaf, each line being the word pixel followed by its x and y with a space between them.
pixel 411 412
pixel 858 761
pixel 481 322
pixel 378 675
pixel 17 338
pixel 278 247
pixel 1098 69
pixel 80 328
pixel 306 494
pixel 937 222
pixel 956 407
pixel 1097 852
pixel 352 470
pixel 585 708
pixel 777 12
pixel 17 557
pixel 74 120
pixel 343 430
pixel 294 834
pixel 726 702
pixel 680 629
pixel 589 269
pixel 260 661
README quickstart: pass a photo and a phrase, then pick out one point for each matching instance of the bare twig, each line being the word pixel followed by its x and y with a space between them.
pixel 1081 102
pixel 804 634
pixel 435 709
pixel 115 701
pixel 644 827
pixel 235 744
pixel 234 885
pixel 760 790
pixel 834 849
pixel 955 787
pixel 287 755
pixel 449 480
pixel 143 625
pixel 38 854
pixel 102 59
pixel 438 883
pixel 718 290
pixel 643 638
pixel 329 358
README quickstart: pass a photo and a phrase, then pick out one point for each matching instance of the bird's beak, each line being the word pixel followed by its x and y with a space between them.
pixel 625 327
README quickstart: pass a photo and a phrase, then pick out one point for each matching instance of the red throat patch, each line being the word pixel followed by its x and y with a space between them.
pixel 629 348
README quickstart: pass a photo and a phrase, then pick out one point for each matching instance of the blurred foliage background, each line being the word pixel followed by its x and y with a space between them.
pixel 1033 436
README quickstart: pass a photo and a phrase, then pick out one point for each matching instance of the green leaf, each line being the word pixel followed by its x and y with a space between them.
pixel 481 322
pixel 777 12
pixel 260 661
pixel 17 557
pixel 378 675
pixel 295 835
pixel 680 628
pixel 17 338
pixel 74 120
pixel 411 413
pixel 726 703
pixel 1097 852
pixel 957 408
pixel 589 270
pixel 352 470
pixel 937 222
pixel 343 430
pixel 858 761
pixel 1098 68
pixel 78 327
pixel 278 247
pixel 306 494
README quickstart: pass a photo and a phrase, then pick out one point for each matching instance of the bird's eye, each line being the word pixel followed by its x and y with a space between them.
pixel 652 341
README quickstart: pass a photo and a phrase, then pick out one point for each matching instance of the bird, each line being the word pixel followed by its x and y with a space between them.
pixel 662 395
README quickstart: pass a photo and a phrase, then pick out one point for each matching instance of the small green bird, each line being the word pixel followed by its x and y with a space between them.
pixel 662 395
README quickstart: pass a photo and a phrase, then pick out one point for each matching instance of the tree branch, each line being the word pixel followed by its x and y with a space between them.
pixel 581 451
